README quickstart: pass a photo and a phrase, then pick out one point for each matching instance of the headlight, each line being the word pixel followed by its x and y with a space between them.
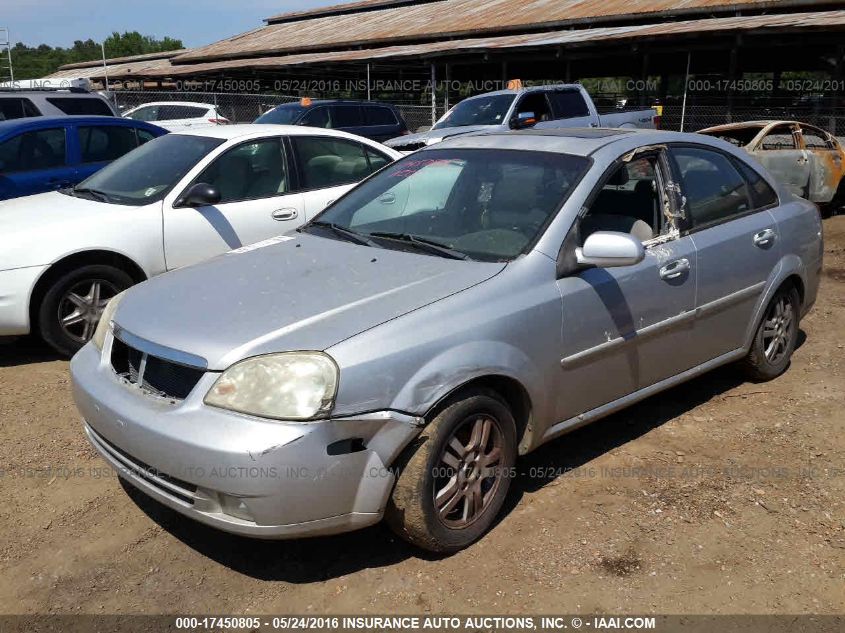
pixel 99 338
pixel 286 386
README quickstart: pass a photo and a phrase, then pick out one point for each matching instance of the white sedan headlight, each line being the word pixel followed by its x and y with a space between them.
pixel 285 386
pixel 99 338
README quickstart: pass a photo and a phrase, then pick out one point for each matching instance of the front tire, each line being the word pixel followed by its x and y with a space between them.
pixel 72 305
pixel 775 338
pixel 453 480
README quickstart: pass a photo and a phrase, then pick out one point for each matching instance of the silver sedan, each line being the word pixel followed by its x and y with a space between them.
pixel 464 305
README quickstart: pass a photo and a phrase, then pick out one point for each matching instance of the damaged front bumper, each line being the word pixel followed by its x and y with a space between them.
pixel 240 473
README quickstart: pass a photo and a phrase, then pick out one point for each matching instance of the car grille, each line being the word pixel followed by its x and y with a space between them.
pixel 153 374
pixel 171 486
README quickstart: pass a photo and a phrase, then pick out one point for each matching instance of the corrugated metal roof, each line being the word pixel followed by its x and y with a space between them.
pixel 452 18
pixel 127 70
pixel 129 58
pixel 334 9
pixel 793 21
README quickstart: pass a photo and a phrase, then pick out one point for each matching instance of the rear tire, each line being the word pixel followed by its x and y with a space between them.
pixel 775 338
pixel 453 480
pixel 72 305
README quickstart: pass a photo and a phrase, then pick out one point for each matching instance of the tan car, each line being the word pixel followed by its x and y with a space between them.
pixel 810 161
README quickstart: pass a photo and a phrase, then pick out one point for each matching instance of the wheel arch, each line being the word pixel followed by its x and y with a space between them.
pixel 75 260
pixel 789 271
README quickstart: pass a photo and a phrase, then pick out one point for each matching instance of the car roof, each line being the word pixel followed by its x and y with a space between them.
pixel 749 124
pixel 576 141
pixel 78 119
pixel 207 106
pixel 512 91
pixel 256 130
pixel 316 102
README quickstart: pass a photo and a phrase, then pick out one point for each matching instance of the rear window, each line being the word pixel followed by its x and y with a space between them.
pixel 378 115
pixel 81 105
pixel 172 112
pixel 284 115
pixel 567 104
pixel 16 108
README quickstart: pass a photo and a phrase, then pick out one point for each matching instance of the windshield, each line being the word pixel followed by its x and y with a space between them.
pixel 490 110
pixel 283 115
pixel 487 204
pixel 147 173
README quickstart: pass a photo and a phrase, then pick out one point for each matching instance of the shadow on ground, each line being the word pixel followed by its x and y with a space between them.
pixel 26 350
pixel 318 559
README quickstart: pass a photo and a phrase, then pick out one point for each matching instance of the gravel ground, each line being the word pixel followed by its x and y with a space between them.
pixel 718 496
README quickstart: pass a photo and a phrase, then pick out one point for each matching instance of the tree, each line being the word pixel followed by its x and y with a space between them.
pixel 36 62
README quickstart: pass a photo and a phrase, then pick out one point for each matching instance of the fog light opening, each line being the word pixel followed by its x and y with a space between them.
pixel 235 507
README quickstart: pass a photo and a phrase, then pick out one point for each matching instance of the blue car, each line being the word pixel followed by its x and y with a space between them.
pixel 41 154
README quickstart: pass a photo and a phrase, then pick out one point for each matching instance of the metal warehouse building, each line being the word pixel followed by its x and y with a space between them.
pixel 710 61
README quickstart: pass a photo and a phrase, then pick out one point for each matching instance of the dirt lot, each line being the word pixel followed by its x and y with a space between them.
pixel 737 507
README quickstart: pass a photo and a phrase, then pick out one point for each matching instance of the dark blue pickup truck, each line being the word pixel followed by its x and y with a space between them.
pixel 40 154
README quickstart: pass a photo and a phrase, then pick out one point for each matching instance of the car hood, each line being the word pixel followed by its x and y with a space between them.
pixel 435 136
pixel 303 293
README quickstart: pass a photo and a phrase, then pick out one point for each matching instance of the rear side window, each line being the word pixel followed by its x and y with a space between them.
pixel 567 104
pixel 81 105
pixel 713 188
pixel 329 162
pixel 346 116
pixel 814 139
pixel 318 117
pixel 16 108
pixel 762 194
pixel 144 136
pixel 378 115
pixel 377 159
pixel 105 142
pixel 40 149
pixel 147 113
pixel 173 112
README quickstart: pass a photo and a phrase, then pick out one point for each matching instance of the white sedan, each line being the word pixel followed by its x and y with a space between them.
pixel 174 201
pixel 177 115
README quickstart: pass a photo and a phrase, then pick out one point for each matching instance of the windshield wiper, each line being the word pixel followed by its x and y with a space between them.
pixel 349 234
pixel 95 193
pixel 422 243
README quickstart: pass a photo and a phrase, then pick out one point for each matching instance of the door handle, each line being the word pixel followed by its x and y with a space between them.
pixel 764 238
pixel 284 214
pixel 675 269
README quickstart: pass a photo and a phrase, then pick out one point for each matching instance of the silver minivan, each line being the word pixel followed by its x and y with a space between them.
pixel 459 308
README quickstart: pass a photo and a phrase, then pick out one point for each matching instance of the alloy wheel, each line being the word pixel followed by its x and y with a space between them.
pixel 468 475
pixel 81 307
pixel 778 329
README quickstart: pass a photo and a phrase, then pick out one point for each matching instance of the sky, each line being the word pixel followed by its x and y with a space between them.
pixel 195 22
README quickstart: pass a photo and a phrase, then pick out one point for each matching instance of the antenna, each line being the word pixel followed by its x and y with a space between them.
pixel 7 73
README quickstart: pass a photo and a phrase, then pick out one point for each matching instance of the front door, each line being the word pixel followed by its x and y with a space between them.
pixel 253 180
pixel 34 162
pixel 626 328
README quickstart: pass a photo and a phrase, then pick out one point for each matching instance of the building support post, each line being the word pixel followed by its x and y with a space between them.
pixel 686 89
pixel 733 72
pixel 433 94
pixel 369 94
pixel 838 75
pixel 448 79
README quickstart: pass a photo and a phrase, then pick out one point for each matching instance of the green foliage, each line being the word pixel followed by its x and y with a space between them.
pixel 35 62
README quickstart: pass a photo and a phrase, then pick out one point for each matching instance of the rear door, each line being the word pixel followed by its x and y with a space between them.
pixel 35 161
pixel 726 207
pixel 381 123
pixel 569 109
pixel 347 117
pixel 257 202
pixel 780 152
pixel 328 167
pixel 182 117
pixel 826 167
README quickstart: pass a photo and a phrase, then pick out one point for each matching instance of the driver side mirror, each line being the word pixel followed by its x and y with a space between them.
pixel 523 120
pixel 199 195
pixel 609 249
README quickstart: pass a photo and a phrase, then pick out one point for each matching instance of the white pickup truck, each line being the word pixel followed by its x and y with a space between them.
pixel 562 105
